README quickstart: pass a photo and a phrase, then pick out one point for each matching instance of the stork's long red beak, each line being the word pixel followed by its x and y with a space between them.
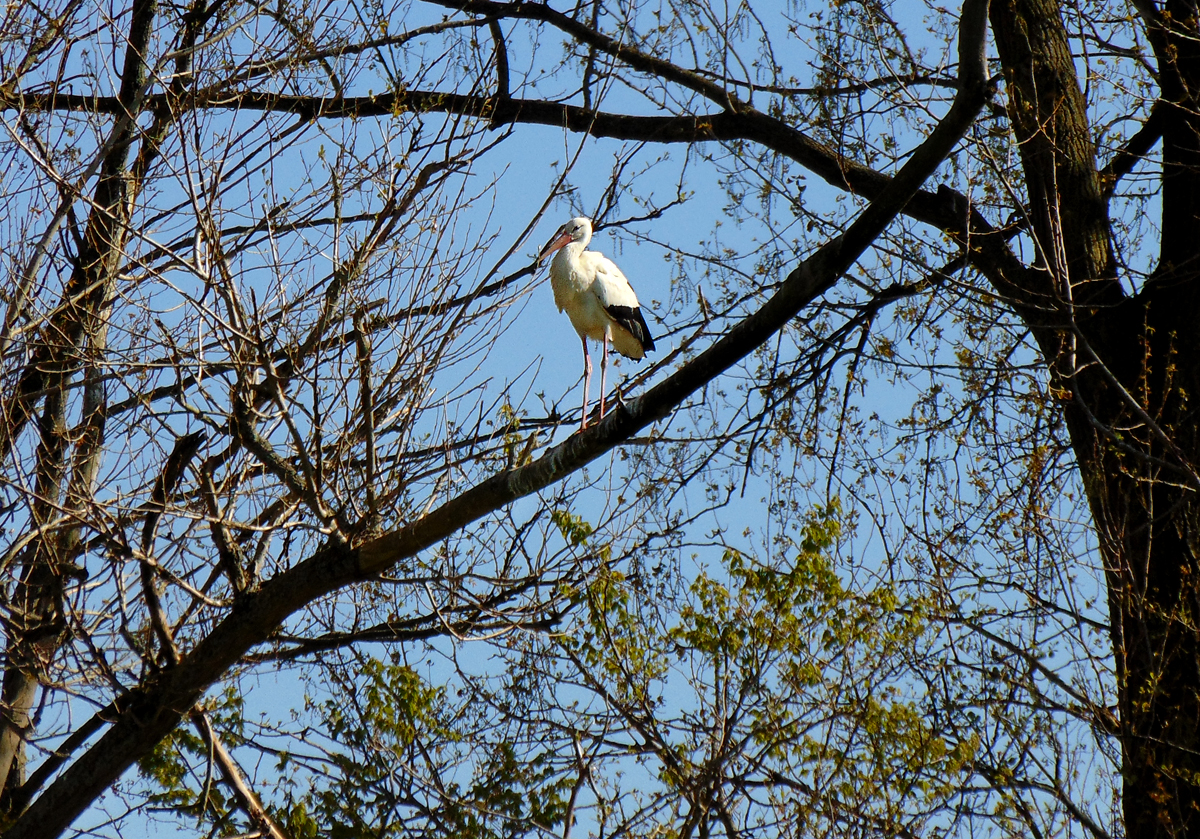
pixel 560 239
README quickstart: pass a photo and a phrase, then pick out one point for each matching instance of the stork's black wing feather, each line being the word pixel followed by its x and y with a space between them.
pixel 630 317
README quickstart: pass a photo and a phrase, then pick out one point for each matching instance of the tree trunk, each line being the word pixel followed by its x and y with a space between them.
pixel 65 455
pixel 1124 366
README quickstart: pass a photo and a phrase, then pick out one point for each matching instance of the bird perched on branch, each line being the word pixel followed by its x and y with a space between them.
pixel 594 293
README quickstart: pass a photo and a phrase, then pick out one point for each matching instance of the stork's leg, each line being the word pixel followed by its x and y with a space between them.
pixel 587 379
pixel 603 370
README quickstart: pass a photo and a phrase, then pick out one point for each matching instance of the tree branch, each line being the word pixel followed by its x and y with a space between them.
pixel 1134 150
pixel 246 799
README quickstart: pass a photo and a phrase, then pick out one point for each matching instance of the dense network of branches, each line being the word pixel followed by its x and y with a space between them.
pixel 895 536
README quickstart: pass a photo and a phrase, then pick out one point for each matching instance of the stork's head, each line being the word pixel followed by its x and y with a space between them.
pixel 575 230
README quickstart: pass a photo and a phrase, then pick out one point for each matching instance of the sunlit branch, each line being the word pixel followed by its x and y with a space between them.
pixel 245 797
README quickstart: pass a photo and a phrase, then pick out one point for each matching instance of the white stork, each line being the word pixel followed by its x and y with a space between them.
pixel 598 299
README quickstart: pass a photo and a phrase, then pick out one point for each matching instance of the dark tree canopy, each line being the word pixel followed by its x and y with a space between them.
pixel 896 535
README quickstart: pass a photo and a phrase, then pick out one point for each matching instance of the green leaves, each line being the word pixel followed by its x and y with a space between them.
pixel 393 705
pixel 406 758
pixel 772 675
pixel 573 528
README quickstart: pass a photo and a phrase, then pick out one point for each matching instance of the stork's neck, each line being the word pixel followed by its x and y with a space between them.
pixel 569 253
